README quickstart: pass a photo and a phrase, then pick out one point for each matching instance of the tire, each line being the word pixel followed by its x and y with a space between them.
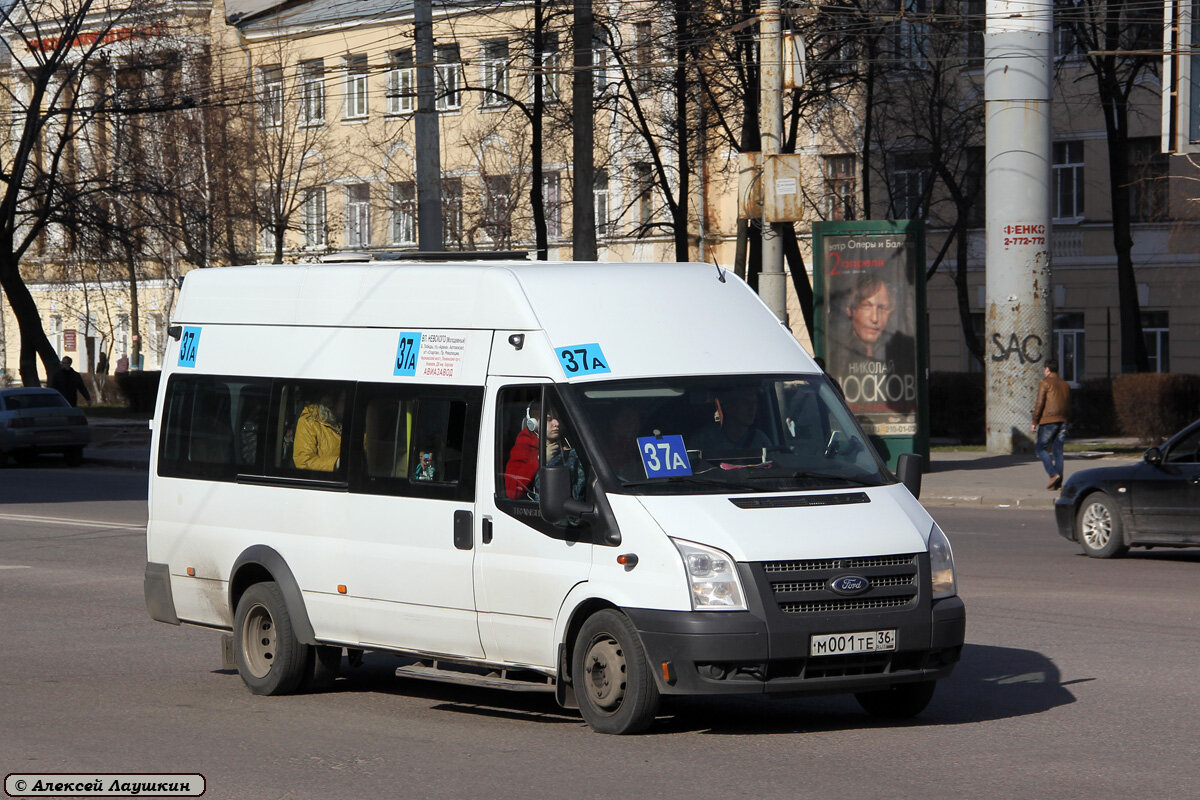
pixel 73 456
pixel 322 668
pixel 612 681
pixel 902 701
pixel 1098 527
pixel 269 657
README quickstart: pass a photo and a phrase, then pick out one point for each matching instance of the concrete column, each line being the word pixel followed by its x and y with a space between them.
pixel 772 285
pixel 1019 335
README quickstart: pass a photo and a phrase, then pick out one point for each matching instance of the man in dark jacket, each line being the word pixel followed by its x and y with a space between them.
pixel 69 383
pixel 1050 421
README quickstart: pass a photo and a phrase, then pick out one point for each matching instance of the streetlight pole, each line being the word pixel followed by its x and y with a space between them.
pixel 772 286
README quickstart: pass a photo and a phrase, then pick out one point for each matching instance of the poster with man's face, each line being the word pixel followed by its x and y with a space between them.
pixel 871 328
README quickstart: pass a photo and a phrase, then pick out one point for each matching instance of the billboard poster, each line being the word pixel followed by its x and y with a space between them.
pixel 870 319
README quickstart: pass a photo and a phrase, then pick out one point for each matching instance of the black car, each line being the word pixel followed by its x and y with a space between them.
pixel 1154 503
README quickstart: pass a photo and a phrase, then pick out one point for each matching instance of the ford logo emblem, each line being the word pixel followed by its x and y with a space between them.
pixel 850 584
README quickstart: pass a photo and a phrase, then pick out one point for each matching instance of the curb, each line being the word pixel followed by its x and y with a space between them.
pixel 989 501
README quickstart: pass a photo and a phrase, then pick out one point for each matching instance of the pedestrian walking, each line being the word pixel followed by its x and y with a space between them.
pixel 122 364
pixel 69 383
pixel 1050 415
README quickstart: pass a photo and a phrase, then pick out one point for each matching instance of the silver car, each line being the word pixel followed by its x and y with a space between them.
pixel 36 421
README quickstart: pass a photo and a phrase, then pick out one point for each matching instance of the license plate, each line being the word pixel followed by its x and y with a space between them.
pixel 837 644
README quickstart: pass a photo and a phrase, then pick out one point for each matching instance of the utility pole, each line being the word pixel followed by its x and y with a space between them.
pixel 583 213
pixel 772 287
pixel 429 149
pixel 1019 336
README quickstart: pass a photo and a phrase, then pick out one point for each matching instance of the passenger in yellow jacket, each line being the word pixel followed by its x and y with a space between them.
pixel 318 441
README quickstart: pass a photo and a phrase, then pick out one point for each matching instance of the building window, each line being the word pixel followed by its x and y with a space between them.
pixel 356 87
pixel 643 186
pixel 358 215
pixel 312 92
pixel 404 213
pixel 600 82
pixel 449 90
pixel 552 204
pixel 1068 344
pixel 271 97
pixel 1068 180
pixel 314 218
pixel 452 211
pixel 401 82
pixel 643 56
pixel 909 177
pixel 497 207
pixel 600 201
pixel 494 72
pixel 975 184
pixel 1156 332
pixel 841 187
pixel 910 34
pixel 1147 180
pixel 975 24
pixel 548 68
pixel 1068 15
pixel 56 328
pixel 978 322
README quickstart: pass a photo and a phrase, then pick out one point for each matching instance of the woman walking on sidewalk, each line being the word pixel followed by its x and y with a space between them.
pixel 1050 421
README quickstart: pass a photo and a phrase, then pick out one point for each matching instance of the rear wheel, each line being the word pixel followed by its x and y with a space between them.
pixel 901 701
pixel 270 659
pixel 1098 527
pixel 612 681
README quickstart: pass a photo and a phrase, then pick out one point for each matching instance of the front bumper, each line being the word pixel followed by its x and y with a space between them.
pixel 766 649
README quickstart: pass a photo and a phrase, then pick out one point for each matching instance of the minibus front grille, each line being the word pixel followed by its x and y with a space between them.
pixel 811 586
pixel 828 606
pixel 823 564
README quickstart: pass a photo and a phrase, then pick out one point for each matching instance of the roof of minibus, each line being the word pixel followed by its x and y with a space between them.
pixel 632 310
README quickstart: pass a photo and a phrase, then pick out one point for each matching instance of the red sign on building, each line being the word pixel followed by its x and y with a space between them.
pixel 69 339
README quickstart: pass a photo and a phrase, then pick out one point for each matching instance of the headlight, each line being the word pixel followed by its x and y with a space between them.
pixel 712 576
pixel 941 564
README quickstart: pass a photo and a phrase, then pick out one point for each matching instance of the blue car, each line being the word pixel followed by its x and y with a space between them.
pixel 1153 503
pixel 34 421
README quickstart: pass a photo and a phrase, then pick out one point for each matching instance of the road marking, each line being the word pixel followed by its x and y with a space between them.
pixel 81 523
pixel 13 566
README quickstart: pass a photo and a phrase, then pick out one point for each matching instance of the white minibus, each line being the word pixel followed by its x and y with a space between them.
pixel 611 482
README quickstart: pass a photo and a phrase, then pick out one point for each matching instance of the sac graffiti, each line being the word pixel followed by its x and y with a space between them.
pixel 885 387
pixel 1028 349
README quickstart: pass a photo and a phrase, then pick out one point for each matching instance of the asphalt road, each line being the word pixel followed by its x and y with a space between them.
pixel 1078 681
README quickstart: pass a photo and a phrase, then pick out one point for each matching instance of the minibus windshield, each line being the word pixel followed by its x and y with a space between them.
pixel 712 434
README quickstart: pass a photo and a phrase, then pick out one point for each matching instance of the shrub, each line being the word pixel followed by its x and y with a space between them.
pixel 139 389
pixel 1153 405
pixel 1092 409
pixel 957 407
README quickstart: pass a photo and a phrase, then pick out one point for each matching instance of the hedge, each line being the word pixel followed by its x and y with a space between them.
pixel 139 388
pixel 1154 405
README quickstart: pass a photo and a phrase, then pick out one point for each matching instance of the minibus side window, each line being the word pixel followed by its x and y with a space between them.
pixel 213 427
pixel 416 441
pixel 308 433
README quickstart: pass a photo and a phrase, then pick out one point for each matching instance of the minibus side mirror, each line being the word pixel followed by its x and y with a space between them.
pixel 554 496
pixel 908 470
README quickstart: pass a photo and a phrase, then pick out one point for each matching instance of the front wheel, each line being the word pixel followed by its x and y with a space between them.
pixel 1098 527
pixel 616 692
pixel 901 701
pixel 270 659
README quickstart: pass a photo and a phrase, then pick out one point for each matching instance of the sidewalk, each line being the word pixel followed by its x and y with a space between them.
pixel 1016 481
pixel 954 478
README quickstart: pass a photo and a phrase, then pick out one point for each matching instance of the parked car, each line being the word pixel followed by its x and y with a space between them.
pixel 36 421
pixel 1153 503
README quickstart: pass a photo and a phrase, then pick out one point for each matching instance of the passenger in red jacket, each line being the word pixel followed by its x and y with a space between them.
pixel 523 458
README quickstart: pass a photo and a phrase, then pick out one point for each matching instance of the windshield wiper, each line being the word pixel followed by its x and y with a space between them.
pixel 817 476
pixel 691 479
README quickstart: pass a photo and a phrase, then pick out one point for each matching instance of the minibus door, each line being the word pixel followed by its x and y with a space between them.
pixel 524 566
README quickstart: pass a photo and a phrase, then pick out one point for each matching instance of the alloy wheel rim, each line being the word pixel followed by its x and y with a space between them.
pixel 1097 525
